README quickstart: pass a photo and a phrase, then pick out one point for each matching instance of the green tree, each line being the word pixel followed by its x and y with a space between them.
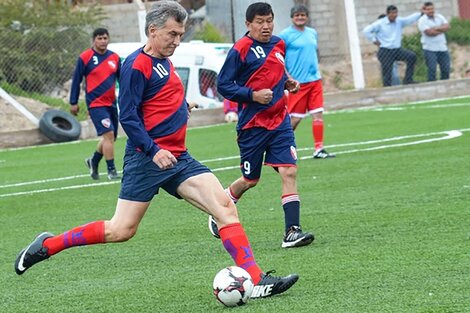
pixel 40 41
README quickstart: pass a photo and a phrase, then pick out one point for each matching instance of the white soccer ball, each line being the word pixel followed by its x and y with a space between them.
pixel 232 286
pixel 231 117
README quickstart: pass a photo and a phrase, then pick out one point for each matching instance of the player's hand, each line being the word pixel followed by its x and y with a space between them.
pixel 292 85
pixel 164 159
pixel 263 96
pixel 74 109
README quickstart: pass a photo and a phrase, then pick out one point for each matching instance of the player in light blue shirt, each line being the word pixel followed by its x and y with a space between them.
pixel 387 34
pixel 302 63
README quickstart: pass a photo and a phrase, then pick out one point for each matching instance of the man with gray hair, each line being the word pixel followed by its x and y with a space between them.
pixel 154 115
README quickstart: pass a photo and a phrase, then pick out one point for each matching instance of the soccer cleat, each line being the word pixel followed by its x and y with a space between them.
pixel 32 254
pixel 272 285
pixel 112 174
pixel 295 237
pixel 322 154
pixel 213 227
pixel 93 169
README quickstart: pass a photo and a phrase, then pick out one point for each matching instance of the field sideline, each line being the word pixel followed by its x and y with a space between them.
pixel 390 215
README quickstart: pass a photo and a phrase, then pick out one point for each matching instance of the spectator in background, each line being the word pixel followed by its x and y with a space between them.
pixel 433 27
pixel 386 33
pixel 101 68
pixel 302 63
pixel 395 76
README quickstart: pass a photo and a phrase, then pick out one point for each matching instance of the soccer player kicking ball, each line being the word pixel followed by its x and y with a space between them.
pixel 154 115
pixel 254 75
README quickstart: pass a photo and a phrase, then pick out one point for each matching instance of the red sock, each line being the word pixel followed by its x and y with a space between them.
pixel 87 234
pixel 317 130
pixel 236 243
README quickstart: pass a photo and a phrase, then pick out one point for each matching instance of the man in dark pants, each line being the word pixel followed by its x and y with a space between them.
pixel 386 33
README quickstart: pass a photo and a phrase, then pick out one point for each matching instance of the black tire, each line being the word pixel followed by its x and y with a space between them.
pixel 59 126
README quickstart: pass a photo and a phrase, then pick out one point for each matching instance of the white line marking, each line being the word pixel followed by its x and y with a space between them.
pixel 450 134
pixel 22 193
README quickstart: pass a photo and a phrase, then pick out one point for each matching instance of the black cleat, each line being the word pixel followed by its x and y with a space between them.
pixel 322 154
pixel 112 174
pixel 32 254
pixel 272 285
pixel 213 227
pixel 295 237
pixel 93 169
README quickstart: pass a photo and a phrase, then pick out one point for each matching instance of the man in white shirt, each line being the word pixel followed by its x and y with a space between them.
pixel 433 27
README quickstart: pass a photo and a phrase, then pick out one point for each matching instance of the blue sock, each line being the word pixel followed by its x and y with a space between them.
pixel 291 206
pixel 110 164
pixel 96 158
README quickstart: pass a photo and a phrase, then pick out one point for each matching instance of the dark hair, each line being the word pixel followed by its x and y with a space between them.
pixel 258 8
pixel 391 8
pixel 428 4
pixel 99 32
pixel 297 9
pixel 381 16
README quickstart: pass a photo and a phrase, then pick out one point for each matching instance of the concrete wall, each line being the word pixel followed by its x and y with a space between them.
pixel 122 22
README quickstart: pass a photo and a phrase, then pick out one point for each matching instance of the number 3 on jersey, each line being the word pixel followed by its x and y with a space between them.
pixel 258 51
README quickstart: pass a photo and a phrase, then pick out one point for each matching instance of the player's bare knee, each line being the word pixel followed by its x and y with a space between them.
pixel 227 214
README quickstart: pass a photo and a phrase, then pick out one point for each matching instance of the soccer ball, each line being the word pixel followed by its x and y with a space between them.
pixel 231 117
pixel 232 286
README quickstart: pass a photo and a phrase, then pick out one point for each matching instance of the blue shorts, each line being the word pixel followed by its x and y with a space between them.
pixel 142 178
pixel 105 119
pixel 276 146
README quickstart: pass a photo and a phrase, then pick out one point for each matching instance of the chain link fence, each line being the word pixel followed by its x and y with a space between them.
pixel 39 62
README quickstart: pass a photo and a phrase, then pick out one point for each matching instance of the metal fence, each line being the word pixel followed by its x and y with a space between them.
pixel 41 61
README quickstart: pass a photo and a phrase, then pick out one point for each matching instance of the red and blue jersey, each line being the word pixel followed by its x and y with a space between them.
pixel 153 109
pixel 101 72
pixel 251 66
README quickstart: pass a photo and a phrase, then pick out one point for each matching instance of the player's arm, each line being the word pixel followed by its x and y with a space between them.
pixel 410 19
pixel 226 80
pixel 75 88
pixel 131 90
pixel 370 32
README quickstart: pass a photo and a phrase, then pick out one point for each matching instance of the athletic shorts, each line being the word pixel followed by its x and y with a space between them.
pixel 308 100
pixel 142 178
pixel 105 119
pixel 277 147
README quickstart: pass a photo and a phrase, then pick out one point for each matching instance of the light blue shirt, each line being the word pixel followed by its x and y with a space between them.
pixel 387 33
pixel 301 53
pixel 432 43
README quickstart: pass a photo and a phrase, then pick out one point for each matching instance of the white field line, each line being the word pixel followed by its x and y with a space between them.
pixel 447 135
pixel 400 107
pixel 22 193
